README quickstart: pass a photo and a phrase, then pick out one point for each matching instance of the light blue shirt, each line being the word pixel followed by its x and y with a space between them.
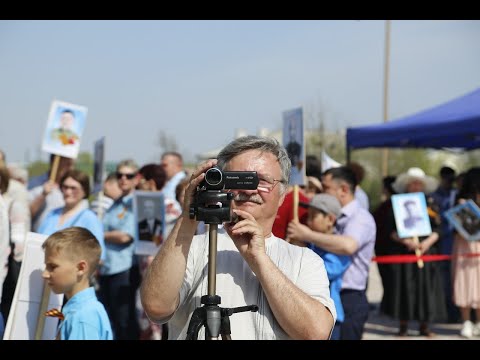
pixel 335 266
pixel 85 318
pixel 171 185
pixel 119 257
pixel 359 224
pixel 84 218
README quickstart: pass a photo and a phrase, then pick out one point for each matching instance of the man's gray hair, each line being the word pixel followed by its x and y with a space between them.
pixel 263 144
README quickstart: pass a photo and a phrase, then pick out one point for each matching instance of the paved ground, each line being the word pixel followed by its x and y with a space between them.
pixel 380 327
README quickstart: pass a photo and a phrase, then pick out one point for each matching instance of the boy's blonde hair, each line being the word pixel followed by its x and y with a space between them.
pixel 78 244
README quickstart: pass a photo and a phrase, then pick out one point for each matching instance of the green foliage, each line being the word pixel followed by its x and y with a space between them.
pixel 84 163
pixel 37 168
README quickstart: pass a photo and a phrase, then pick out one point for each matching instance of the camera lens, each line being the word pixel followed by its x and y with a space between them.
pixel 213 176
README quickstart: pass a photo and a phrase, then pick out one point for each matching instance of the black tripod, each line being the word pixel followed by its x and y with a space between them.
pixel 215 318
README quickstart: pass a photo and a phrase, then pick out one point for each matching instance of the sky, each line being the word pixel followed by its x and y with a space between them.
pixel 202 81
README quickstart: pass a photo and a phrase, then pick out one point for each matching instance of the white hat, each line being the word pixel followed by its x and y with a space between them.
pixel 414 173
pixel 314 182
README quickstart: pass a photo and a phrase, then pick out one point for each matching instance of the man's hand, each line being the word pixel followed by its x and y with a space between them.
pixel 196 178
pixel 247 236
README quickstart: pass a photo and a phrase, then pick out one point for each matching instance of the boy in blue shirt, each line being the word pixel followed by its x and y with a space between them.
pixel 323 212
pixel 71 257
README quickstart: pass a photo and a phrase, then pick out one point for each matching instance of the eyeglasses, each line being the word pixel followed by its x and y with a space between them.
pixel 128 176
pixel 267 183
pixel 66 187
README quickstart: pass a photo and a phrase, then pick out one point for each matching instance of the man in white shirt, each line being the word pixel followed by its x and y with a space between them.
pixel 172 163
pixel 288 283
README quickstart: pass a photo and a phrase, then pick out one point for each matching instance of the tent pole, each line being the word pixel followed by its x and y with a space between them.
pixel 385 93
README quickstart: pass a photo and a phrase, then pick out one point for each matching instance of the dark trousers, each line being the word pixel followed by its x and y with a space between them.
pixel 117 294
pixel 9 286
pixel 336 331
pixel 355 306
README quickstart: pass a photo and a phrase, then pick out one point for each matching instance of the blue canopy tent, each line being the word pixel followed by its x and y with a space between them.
pixel 454 124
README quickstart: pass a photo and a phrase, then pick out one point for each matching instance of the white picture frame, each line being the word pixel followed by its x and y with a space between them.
pixel 150 224
pixel 465 218
pixel 64 129
pixel 24 312
pixel 411 215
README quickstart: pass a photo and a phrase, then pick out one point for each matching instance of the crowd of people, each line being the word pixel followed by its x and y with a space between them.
pixel 306 270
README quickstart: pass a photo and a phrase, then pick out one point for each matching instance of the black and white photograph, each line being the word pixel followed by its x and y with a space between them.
pixel 465 218
pixel 149 211
pixel 293 141
pixel 411 215
pixel 98 164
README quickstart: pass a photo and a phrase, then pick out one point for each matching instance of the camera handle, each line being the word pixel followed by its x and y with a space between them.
pixel 215 318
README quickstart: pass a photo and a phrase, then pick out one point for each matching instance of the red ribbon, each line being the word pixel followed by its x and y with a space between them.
pixel 412 258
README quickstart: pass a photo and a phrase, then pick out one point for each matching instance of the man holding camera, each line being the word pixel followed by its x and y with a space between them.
pixel 288 283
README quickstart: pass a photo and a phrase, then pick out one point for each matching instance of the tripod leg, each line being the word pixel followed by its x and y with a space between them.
pixel 196 322
pixel 225 329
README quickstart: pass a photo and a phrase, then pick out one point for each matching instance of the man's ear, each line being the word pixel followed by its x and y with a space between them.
pixel 345 187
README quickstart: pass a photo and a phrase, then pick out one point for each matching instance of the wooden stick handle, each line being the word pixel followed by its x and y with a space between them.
pixel 41 311
pixel 54 169
pixel 418 253
pixel 295 203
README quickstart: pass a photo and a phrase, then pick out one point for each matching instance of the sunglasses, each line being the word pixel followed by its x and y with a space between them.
pixel 128 176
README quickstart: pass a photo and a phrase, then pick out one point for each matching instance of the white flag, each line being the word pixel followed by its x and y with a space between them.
pixel 328 162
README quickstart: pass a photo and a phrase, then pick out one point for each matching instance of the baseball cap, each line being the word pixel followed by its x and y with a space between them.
pixel 326 203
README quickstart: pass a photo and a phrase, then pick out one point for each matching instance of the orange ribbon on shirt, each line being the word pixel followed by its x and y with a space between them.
pixel 55 313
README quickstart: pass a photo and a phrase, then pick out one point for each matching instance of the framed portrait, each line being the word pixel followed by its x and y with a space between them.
pixel 149 212
pixel 293 141
pixel 98 164
pixel 64 129
pixel 411 215
pixel 465 218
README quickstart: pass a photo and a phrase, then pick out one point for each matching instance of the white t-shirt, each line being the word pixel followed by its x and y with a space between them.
pixel 4 241
pixel 237 285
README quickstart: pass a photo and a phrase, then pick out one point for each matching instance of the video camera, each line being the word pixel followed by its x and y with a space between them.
pixel 212 205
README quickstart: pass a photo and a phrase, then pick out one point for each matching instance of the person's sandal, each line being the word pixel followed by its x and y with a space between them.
pixel 425 331
pixel 403 331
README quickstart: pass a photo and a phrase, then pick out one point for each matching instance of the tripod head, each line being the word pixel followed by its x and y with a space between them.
pixel 212 204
